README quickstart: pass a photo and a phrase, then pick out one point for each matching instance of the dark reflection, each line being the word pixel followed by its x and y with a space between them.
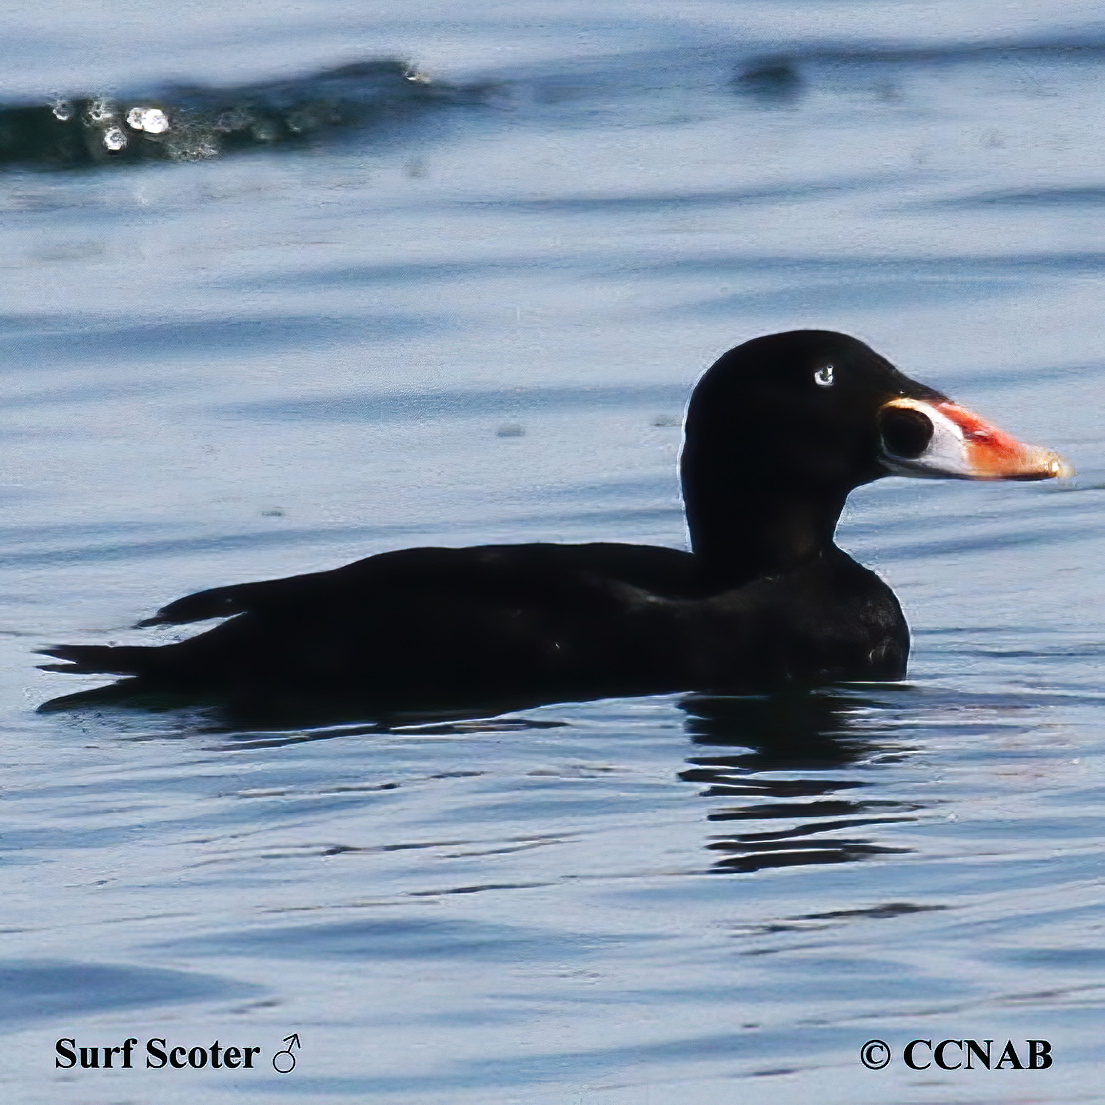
pixel 273 731
pixel 789 765
pixel 780 770
pixel 800 728
pixel 294 719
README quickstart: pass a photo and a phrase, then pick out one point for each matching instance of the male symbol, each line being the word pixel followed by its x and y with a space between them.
pixel 286 1066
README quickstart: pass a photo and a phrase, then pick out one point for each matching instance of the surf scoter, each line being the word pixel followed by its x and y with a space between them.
pixel 777 433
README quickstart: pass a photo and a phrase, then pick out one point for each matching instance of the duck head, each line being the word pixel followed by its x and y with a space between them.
pixel 782 428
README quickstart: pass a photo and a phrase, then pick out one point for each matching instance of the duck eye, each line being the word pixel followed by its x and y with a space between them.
pixel 823 377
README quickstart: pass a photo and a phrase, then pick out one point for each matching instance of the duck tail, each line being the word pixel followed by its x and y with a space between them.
pixel 102 659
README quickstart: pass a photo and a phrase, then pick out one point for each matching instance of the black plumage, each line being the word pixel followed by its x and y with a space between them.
pixel 778 433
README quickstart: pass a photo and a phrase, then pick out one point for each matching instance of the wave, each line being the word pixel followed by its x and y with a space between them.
pixel 194 123
pixel 198 122
pixel 786 74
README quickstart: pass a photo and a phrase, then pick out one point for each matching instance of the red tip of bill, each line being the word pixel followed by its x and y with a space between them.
pixel 993 454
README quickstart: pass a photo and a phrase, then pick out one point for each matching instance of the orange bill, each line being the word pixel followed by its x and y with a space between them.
pixel 940 439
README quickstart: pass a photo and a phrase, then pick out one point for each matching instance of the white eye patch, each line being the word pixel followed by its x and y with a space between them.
pixel 823 377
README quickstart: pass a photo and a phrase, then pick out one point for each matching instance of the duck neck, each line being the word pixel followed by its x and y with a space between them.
pixel 761 533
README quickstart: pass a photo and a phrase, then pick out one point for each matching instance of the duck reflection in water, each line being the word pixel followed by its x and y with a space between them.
pixel 795 801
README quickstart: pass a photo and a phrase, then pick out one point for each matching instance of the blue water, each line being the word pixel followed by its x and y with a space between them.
pixel 475 316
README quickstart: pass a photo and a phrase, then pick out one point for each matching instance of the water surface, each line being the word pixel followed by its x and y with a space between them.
pixel 471 310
